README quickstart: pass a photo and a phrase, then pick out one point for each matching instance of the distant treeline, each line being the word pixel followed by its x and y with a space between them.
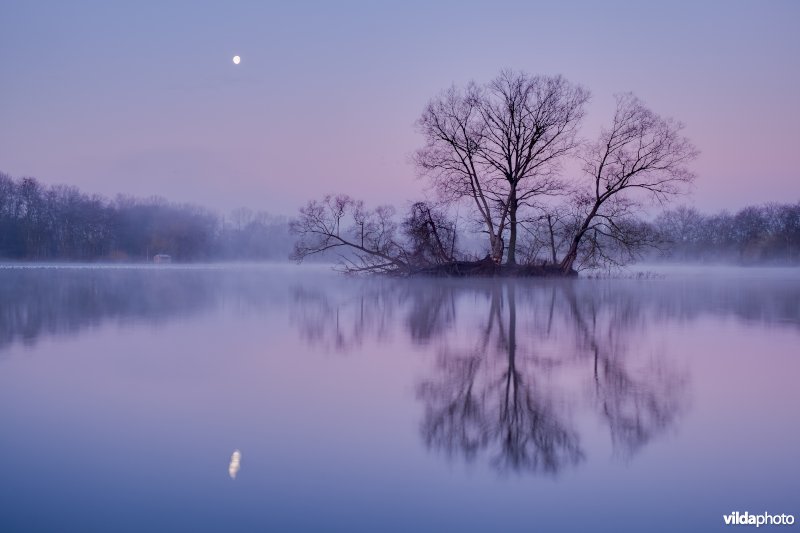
pixel 55 223
pixel 757 234
pixel 49 223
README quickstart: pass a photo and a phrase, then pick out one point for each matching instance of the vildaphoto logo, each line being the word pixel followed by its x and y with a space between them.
pixel 746 519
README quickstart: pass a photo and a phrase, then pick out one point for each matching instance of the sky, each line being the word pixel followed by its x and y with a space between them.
pixel 143 97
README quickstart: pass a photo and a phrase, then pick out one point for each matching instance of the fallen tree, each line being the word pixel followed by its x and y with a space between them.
pixel 423 244
pixel 487 267
pixel 363 240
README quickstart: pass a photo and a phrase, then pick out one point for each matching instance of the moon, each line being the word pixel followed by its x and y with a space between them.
pixel 236 459
pixel 236 60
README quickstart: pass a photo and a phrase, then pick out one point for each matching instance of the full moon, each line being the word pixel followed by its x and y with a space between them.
pixel 236 60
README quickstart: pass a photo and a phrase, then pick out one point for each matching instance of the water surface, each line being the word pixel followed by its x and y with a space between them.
pixel 653 404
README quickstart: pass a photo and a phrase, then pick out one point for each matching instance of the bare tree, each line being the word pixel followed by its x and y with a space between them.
pixel 454 132
pixel 365 240
pixel 371 240
pixel 532 123
pixel 640 153
pixel 500 146
pixel 431 235
pixel 545 234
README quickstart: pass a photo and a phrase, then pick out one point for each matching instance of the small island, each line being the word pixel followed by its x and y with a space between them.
pixel 506 160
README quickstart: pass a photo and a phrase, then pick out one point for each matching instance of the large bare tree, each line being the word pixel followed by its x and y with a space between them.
pixel 641 157
pixel 500 145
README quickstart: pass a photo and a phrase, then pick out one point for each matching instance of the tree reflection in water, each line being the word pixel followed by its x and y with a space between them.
pixel 474 407
pixel 637 403
pixel 514 359
pixel 508 352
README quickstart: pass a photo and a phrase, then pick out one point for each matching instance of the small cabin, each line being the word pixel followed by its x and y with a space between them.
pixel 162 259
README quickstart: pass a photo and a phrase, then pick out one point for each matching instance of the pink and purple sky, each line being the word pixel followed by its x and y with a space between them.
pixel 143 98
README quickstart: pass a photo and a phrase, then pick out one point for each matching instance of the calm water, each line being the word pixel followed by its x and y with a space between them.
pixel 395 405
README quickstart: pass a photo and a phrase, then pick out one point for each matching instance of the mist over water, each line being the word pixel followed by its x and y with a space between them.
pixel 127 393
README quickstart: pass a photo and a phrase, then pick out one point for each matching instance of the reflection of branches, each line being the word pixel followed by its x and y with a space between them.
pixel 39 302
pixel 454 416
pixel 468 411
pixel 500 386
pixel 636 413
pixel 532 435
pixel 430 313
pixel 341 322
pixel 637 406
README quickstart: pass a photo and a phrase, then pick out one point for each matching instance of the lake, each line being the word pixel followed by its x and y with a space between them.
pixel 284 398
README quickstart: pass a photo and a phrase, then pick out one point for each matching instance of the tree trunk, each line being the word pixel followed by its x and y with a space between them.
pixel 552 239
pixel 512 239
pixel 512 379
pixel 572 254
pixel 497 247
